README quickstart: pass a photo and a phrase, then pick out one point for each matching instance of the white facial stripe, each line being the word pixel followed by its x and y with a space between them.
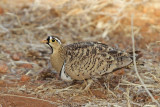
pixel 58 40
pixel 50 38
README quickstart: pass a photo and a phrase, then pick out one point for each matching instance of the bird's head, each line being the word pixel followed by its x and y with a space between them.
pixel 53 42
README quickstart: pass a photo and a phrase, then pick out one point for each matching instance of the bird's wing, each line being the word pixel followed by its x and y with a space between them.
pixel 90 58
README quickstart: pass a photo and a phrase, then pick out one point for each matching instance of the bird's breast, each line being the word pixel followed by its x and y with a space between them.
pixel 57 61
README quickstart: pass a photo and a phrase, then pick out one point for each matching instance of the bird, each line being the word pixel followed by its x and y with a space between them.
pixel 86 61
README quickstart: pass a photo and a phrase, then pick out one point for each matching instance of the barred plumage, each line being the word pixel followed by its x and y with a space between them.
pixel 85 60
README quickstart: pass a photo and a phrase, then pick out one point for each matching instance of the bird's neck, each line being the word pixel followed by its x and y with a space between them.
pixel 57 58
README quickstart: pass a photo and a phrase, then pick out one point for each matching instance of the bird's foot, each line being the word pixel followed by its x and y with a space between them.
pixel 86 85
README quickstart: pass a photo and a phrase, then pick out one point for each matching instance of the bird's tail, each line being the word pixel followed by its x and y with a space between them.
pixel 138 55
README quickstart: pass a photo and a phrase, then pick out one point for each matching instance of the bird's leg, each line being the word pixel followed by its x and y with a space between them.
pixel 86 84
pixel 75 85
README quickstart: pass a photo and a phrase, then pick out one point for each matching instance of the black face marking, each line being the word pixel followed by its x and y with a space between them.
pixel 51 48
pixel 48 40
pixel 53 39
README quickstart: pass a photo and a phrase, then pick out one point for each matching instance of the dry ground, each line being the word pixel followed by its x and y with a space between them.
pixel 26 79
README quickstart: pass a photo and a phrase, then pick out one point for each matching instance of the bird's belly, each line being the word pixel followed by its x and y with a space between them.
pixel 88 69
pixel 82 71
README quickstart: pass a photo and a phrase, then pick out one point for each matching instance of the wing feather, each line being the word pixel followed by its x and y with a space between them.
pixel 91 59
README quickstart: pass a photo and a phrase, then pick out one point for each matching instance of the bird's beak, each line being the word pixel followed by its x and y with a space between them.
pixel 44 41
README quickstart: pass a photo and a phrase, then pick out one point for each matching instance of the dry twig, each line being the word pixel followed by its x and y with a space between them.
pixel 135 66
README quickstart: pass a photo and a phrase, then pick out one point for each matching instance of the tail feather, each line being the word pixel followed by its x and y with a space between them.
pixel 138 54
pixel 138 62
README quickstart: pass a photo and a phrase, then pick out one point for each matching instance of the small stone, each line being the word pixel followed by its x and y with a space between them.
pixel 3 68
pixel 25 78
pixel 15 57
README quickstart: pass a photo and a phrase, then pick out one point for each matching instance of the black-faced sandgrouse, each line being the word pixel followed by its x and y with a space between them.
pixel 85 60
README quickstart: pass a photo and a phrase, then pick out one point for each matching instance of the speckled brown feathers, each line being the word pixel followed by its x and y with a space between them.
pixel 85 60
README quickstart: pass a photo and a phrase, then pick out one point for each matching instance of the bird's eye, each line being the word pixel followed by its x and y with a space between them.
pixel 53 40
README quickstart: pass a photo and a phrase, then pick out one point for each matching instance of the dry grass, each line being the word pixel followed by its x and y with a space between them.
pixel 23 24
pixel 135 67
